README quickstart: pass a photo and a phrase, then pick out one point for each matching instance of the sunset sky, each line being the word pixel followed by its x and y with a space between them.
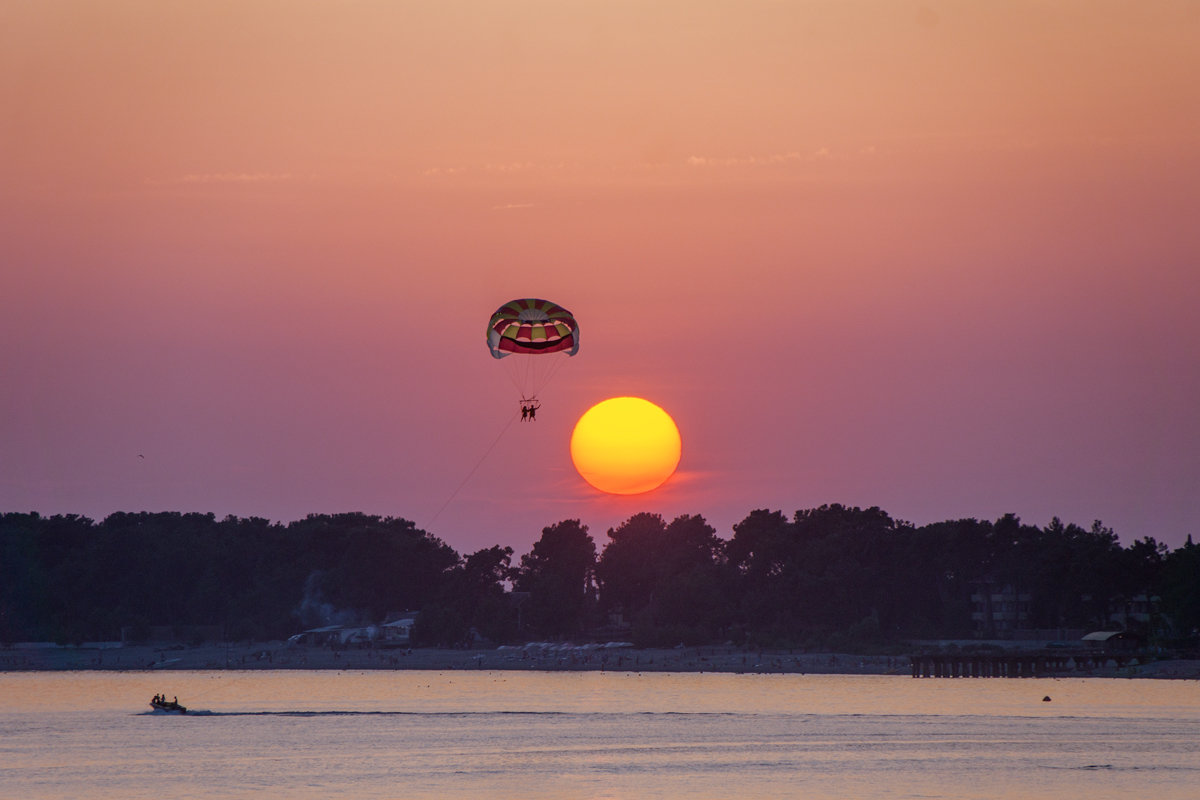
pixel 937 257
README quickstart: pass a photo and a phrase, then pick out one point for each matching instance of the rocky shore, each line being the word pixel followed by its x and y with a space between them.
pixel 276 655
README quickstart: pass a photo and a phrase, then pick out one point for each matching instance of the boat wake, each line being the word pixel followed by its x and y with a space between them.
pixel 207 713
pixel 349 713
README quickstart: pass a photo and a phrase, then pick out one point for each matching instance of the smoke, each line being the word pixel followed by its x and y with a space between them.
pixel 315 611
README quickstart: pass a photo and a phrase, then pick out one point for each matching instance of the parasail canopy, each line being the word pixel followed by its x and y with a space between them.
pixel 542 334
pixel 531 326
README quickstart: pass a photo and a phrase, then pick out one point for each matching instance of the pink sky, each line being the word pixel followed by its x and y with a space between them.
pixel 939 257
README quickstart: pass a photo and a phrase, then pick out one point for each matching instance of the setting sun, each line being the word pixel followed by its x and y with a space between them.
pixel 625 445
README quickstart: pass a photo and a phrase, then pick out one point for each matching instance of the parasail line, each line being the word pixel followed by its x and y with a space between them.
pixel 554 368
pixel 478 464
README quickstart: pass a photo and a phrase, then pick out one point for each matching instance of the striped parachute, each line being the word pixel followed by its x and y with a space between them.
pixel 540 333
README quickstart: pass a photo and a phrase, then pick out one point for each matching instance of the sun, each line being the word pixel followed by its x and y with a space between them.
pixel 625 445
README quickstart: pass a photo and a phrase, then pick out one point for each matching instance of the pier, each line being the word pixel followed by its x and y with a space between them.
pixel 1014 664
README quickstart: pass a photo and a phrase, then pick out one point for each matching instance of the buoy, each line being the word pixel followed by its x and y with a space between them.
pixel 1046 699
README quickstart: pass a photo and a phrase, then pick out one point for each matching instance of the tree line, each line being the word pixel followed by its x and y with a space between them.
pixel 831 577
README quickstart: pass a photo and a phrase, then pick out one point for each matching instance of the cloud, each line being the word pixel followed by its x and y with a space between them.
pixel 507 206
pixel 492 168
pixel 211 178
pixel 746 161
pixel 237 177
pixel 516 166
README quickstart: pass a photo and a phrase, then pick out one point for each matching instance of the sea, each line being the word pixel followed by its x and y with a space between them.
pixel 611 735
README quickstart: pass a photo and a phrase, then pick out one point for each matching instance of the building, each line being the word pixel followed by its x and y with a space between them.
pixel 997 613
pixel 396 632
pixel 1137 611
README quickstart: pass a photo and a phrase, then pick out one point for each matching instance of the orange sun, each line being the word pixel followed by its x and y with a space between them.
pixel 625 445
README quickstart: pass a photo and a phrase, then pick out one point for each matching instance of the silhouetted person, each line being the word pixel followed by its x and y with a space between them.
pixel 533 413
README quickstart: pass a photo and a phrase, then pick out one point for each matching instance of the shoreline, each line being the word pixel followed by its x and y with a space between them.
pixel 276 656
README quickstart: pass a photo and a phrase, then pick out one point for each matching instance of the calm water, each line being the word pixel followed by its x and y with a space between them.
pixel 558 735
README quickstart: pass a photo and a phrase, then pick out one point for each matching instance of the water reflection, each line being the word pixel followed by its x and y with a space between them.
pixel 594 735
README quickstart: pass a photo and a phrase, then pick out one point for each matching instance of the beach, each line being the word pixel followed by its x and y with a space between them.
pixel 541 656
pixel 277 655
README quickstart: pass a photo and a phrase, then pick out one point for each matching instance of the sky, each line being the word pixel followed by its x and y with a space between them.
pixel 937 257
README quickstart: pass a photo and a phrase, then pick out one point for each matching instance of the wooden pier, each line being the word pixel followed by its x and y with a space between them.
pixel 1039 664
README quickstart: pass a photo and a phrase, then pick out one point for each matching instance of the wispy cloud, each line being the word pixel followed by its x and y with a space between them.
pixel 774 159
pixel 745 161
pixel 223 177
pixel 516 166
pixel 492 168
pixel 507 206
pixel 237 177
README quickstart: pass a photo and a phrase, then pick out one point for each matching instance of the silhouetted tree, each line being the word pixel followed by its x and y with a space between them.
pixel 471 598
pixel 1180 591
pixel 558 574
pixel 665 578
pixel 374 565
pixel 834 574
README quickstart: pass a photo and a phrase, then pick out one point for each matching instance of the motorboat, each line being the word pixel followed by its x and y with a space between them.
pixel 165 706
